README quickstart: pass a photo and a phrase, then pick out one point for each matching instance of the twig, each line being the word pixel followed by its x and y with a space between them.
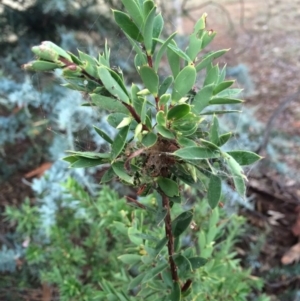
pixel 169 234
pixel 131 200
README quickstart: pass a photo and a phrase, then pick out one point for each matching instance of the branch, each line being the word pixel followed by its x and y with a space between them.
pixel 169 234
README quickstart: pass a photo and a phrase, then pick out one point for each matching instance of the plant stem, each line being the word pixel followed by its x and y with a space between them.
pixel 169 234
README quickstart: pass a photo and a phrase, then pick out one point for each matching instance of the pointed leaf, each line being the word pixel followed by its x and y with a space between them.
pixel 130 258
pixel 168 186
pixel 135 282
pixel 121 172
pixel 222 86
pixel 184 82
pixel 108 103
pixel 112 85
pixel 214 131
pixel 181 222
pixel 237 174
pixel 209 58
pixel 127 25
pixel 174 60
pixel 212 76
pixel 244 157
pixel 197 262
pixel 202 98
pixel 157 29
pixel 224 138
pixel 134 11
pixel 150 79
pixel 165 85
pixel 103 135
pixel 119 142
pixel 151 273
pixel 176 292
pixel 148 30
pixel 161 118
pixel 224 101
pixel 214 191
pixel 162 50
pixel 196 153
pixel 108 176
pixel 86 162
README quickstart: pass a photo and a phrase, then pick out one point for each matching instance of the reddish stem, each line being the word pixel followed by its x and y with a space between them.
pixel 169 234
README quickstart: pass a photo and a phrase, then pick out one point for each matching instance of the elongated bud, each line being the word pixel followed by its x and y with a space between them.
pixel 59 51
pixel 41 66
pixel 45 53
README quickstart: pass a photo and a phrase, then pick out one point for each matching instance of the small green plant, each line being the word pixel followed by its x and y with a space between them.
pixel 168 137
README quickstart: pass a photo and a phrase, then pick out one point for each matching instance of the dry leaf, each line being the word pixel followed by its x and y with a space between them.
pixel 293 254
pixel 38 172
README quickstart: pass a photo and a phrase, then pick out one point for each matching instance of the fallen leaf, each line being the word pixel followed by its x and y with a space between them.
pixel 292 255
pixel 38 172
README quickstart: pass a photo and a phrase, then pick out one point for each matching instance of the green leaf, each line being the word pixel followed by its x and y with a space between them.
pixel 165 85
pixel 178 112
pixel 224 138
pixel 209 58
pixel 217 112
pixel 174 60
pixel 230 93
pixel 222 86
pixel 130 258
pixel 103 135
pixel 134 237
pixel 161 118
pixel 114 119
pixel 202 98
pixel 185 142
pixel 184 82
pixel 209 144
pixel 136 281
pixel 127 25
pixel 214 131
pixel 108 175
pixel 108 103
pixel 164 99
pixel 151 273
pixel 168 186
pixel 162 50
pixel 112 85
pixel 160 245
pixel 148 30
pixel 165 132
pixel 176 292
pixel 150 79
pixel 237 174
pixel 70 159
pixel 86 162
pixel 212 76
pixel 181 222
pixel 224 101
pixel 196 153
pixel 121 172
pixel 147 6
pixel 90 155
pixel 119 142
pixel 244 157
pixel 134 11
pixel 207 38
pixel 197 262
pixel 157 29
pixel 149 139
pixel 214 191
